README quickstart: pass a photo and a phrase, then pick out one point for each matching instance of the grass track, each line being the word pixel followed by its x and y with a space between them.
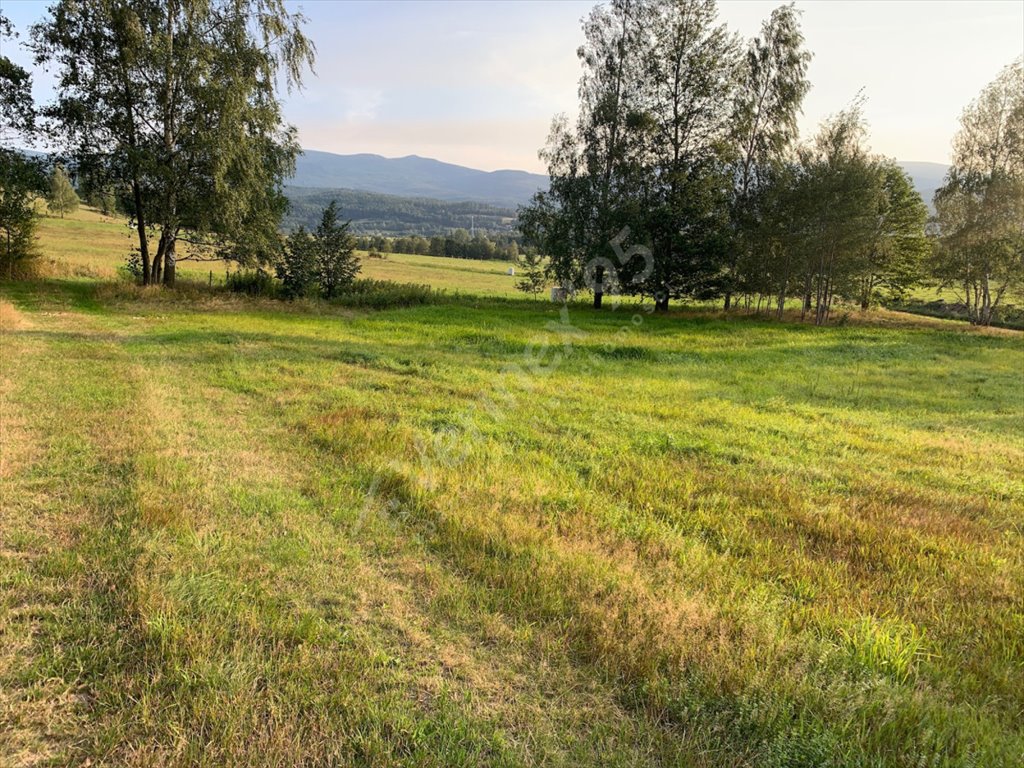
pixel 482 534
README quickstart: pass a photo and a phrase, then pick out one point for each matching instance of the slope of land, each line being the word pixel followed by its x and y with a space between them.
pixel 88 245
pixel 927 178
pixel 482 532
pixel 424 177
pixel 370 212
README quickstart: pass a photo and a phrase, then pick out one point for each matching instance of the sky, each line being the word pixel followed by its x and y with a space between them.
pixel 477 83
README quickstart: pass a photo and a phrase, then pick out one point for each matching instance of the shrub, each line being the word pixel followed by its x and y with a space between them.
pixel 534 273
pixel 254 282
pixel 19 255
pixel 319 263
pixel 381 294
pixel 131 270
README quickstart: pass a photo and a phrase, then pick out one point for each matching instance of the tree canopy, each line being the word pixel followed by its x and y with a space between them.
pixel 981 205
pixel 21 177
pixel 174 105
pixel 683 176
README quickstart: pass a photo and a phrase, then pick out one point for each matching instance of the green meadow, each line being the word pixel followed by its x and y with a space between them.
pixel 481 531
pixel 91 245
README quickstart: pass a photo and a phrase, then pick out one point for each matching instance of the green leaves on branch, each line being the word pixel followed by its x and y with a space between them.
pixel 21 178
pixel 674 120
pixel 174 104
pixel 61 197
pixel 533 272
pixel 687 140
pixel 980 207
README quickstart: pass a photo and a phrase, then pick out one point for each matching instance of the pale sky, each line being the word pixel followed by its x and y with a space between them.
pixel 477 83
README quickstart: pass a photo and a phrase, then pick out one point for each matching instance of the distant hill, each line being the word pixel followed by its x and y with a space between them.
pixel 927 178
pixel 374 213
pixel 415 176
pixel 417 194
pixel 422 177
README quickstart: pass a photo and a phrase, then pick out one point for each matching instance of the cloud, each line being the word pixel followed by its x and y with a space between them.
pixel 361 103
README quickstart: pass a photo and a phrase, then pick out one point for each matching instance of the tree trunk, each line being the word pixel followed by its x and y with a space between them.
pixel 158 260
pixel 598 286
pixel 986 302
pixel 140 224
pixel 170 263
pixel 728 300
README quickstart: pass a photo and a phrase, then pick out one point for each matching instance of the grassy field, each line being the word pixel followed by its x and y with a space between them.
pixel 481 532
pixel 88 244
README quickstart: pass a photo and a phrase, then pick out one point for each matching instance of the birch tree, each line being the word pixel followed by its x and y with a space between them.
pixel 980 207
pixel 175 102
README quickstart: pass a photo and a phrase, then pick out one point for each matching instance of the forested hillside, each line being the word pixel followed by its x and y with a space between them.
pixel 415 176
pixel 373 213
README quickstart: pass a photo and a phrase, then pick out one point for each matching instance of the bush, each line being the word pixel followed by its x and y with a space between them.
pixel 19 255
pixel 381 294
pixel 254 282
pixel 131 270
pixel 319 263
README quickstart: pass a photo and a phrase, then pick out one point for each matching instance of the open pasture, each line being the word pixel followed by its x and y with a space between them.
pixel 481 532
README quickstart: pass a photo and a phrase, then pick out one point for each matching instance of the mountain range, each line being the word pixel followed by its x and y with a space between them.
pixel 415 176
pixel 423 177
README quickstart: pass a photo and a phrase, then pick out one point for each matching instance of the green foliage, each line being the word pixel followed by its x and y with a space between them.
pixel 18 249
pixel 838 197
pixel 680 179
pixel 175 104
pixel 392 216
pixel 321 263
pixel 533 273
pixel 61 197
pixel 334 251
pixel 17 111
pixel 21 179
pixel 131 270
pixel 772 85
pixel 382 294
pixel 670 117
pixel 896 258
pixel 457 245
pixel 102 199
pixel 297 268
pixel 980 208
pixel 253 282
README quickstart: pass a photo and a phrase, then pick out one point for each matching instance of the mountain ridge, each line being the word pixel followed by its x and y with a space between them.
pixel 415 176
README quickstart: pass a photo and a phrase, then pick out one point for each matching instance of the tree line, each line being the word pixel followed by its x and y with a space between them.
pixel 684 177
pixel 396 216
pixel 459 244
